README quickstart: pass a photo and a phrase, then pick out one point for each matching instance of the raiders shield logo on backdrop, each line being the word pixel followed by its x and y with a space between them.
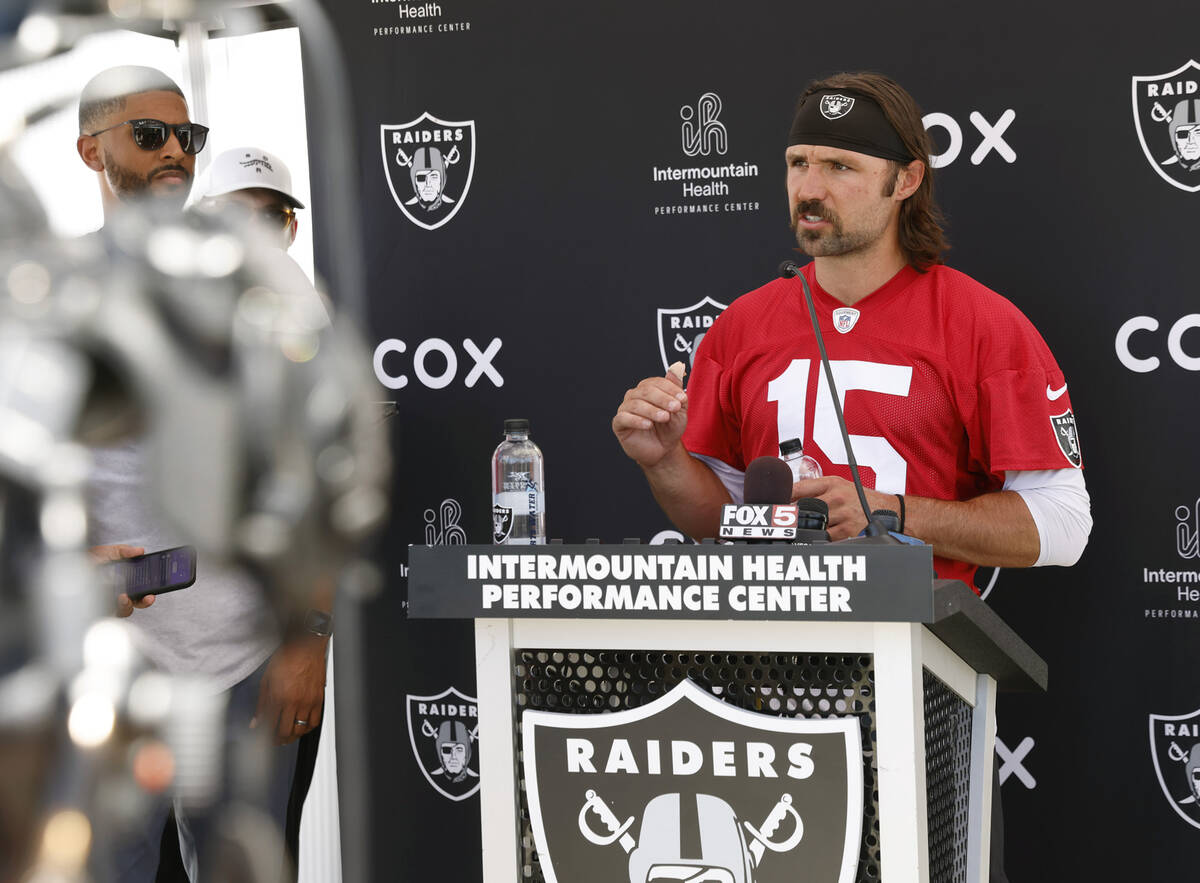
pixel 691 788
pixel 1166 113
pixel 836 106
pixel 1175 749
pixel 1067 436
pixel 443 730
pixel 429 164
pixel 681 330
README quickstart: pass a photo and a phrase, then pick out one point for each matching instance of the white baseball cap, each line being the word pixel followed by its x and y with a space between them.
pixel 243 168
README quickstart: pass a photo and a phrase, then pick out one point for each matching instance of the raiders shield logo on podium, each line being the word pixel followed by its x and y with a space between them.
pixel 692 788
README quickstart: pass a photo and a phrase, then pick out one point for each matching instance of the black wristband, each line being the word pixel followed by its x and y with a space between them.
pixel 900 497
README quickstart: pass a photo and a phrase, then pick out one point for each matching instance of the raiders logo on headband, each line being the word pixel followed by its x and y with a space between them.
pixel 834 107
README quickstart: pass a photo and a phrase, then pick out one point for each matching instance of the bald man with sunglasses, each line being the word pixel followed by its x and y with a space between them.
pixel 136 133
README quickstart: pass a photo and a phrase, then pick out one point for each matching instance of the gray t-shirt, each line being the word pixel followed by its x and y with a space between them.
pixel 219 627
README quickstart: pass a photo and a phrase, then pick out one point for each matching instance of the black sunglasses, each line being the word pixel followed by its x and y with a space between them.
pixel 152 134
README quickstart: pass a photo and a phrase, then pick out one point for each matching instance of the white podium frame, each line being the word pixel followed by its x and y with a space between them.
pixel 901 652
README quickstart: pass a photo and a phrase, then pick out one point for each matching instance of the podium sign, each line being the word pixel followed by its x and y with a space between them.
pixel 852 582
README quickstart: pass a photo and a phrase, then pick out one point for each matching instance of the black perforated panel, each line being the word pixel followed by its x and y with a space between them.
pixel 947 779
pixel 794 685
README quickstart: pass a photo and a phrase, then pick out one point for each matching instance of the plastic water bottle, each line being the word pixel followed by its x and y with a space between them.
pixel 803 466
pixel 518 489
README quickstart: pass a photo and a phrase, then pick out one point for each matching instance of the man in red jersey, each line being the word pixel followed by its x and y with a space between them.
pixel 958 413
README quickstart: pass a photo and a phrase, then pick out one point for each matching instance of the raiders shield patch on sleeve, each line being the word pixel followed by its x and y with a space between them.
pixel 1067 436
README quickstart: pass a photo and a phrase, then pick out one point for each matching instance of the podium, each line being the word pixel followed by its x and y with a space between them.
pixel 734 713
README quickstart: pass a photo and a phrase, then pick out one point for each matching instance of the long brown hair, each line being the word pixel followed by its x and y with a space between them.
pixel 921 235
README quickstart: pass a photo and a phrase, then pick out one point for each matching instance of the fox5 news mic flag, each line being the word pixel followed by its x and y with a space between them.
pixel 759 521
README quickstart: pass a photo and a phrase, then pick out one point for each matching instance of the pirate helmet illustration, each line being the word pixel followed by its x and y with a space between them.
pixel 454 749
pixel 1185 132
pixel 428 174
pixel 690 837
pixel 1192 768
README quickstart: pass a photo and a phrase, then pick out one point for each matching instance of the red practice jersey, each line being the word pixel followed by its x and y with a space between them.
pixel 945 386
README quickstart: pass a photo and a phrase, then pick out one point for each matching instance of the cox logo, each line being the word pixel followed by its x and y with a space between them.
pixel 440 371
pixel 992 137
pixel 1144 325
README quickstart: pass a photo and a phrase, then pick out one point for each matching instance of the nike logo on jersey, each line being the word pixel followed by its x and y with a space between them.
pixel 1054 394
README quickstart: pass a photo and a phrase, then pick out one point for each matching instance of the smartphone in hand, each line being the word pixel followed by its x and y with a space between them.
pixel 154 573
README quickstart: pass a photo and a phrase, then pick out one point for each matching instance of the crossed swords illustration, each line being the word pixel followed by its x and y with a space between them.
pixel 405 160
pixel 427 729
pixel 1160 114
pixel 619 831
pixel 1178 754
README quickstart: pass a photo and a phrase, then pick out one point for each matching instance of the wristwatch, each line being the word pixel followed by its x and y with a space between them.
pixel 319 623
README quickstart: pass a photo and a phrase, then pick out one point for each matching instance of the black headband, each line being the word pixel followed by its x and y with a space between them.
pixel 850 120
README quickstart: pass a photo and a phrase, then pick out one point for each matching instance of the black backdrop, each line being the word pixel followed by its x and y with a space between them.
pixel 561 250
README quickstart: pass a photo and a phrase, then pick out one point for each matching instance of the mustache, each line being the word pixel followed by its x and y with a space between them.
pixel 169 168
pixel 813 207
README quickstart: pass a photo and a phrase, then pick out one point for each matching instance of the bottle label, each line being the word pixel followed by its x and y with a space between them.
pixel 519 512
pixel 517 482
pixel 502 522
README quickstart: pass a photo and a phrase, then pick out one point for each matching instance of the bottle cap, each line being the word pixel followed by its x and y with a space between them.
pixel 791 446
pixel 518 425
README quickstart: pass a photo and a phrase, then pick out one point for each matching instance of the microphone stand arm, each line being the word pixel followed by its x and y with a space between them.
pixel 874 528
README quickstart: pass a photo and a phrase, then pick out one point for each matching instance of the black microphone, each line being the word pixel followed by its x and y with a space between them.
pixel 874 527
pixel 813 514
pixel 767 480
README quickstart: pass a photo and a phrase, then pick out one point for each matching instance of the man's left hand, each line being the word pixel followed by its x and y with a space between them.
pixel 845 513
pixel 291 696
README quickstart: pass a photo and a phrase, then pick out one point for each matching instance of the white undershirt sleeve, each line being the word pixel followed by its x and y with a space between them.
pixel 733 479
pixel 1061 508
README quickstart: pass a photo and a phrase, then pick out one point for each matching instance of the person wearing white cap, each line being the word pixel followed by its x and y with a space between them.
pixel 251 180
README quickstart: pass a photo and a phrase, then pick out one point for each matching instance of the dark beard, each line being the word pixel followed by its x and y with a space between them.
pixel 834 242
pixel 129 186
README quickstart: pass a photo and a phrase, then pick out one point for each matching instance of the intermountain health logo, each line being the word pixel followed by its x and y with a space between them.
pixel 442 526
pixel 681 329
pixel 1180 582
pixel 443 730
pixel 415 18
pixel 429 164
pixel 702 132
pixel 1166 114
pixel 1175 750
pixel 703 189
pixel 691 788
